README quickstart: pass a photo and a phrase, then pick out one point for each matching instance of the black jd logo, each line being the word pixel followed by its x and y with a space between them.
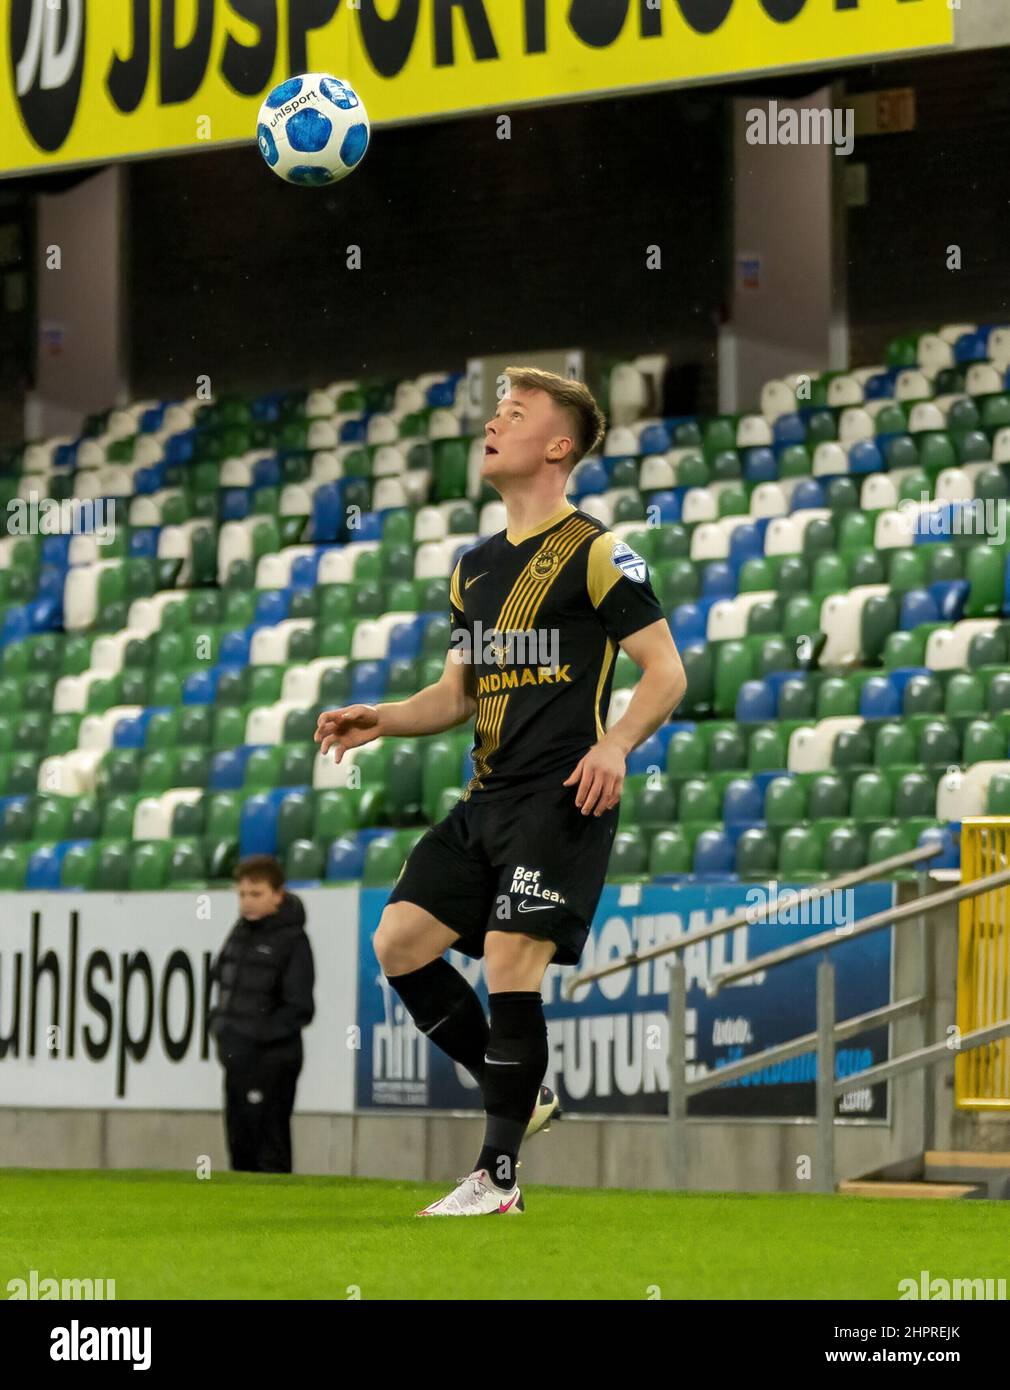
pixel 47 53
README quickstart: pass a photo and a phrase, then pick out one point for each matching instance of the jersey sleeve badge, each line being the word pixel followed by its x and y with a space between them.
pixel 629 562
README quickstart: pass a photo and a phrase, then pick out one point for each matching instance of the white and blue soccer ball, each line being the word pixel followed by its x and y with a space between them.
pixel 313 130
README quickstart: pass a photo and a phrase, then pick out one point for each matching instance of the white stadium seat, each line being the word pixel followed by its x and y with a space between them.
pixel 69 774
pixel 934 353
pixel 728 617
pixel 655 473
pixel 269 645
pixel 97 730
pixel 327 467
pixel 337 565
pixel 840 621
pixel 265 723
pixel 947 648
pixel 844 390
pixel 963 793
pixel 301 683
pixel 777 399
pixel 274 571
pixel 854 424
pixel 152 815
pixel 753 431
pixel 812 746
pixel 370 641
pixel 830 460
pixel 327 772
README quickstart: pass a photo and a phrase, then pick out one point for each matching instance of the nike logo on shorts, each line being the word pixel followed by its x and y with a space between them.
pixel 524 906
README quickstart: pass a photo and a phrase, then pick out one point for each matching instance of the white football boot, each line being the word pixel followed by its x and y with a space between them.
pixel 477 1195
pixel 547 1108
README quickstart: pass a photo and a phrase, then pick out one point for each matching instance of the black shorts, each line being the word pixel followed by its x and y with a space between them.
pixel 529 862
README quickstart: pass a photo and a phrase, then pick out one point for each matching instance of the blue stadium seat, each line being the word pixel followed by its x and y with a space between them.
pixel 743 802
pixel 654 439
pixel 200 688
pixel 405 638
pixel 755 702
pixel 879 699
pixel 715 855
pixel 272 607
pixel 917 606
pixel 760 465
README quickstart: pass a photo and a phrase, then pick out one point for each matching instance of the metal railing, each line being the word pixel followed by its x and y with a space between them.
pixel 829 1031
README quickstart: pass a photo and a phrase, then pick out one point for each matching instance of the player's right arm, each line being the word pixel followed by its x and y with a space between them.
pixel 444 705
pixel 452 700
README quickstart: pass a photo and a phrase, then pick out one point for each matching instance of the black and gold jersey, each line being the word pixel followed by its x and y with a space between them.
pixel 539 615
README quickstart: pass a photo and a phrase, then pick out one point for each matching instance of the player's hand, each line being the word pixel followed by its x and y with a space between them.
pixel 346 728
pixel 600 778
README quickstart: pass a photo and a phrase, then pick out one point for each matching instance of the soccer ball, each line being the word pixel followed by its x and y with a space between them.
pixel 313 129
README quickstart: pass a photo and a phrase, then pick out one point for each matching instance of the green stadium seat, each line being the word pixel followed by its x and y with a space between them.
pixel 670 852
pixel 149 865
pixel 827 797
pixel 79 868
pixel 186 866
pixel 629 858
pixel 800 853
pixel 114 865
pixel 757 854
pixel 844 850
pixel 700 800
pixel 303 860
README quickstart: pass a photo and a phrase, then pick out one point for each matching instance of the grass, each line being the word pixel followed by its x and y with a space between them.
pixel 171 1236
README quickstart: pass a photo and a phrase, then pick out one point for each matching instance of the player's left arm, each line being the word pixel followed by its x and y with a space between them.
pixel 600 773
pixel 622 596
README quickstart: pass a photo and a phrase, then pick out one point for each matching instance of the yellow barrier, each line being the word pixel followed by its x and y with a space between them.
pixel 982 1076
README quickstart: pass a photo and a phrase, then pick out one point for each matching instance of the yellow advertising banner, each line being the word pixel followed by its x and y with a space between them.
pixel 96 80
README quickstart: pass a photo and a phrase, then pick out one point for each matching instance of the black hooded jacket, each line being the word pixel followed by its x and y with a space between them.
pixel 265 976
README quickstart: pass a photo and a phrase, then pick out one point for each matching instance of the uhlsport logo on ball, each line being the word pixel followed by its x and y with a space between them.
pixel 313 130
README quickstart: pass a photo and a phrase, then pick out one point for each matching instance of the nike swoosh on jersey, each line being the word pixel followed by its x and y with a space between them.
pixel 524 906
pixel 475 578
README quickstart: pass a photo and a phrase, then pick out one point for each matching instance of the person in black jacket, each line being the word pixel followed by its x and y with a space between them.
pixel 265 976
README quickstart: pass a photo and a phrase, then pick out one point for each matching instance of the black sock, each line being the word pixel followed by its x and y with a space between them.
pixel 445 1009
pixel 516 1062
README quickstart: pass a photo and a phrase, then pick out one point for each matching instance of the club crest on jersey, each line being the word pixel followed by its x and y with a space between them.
pixel 629 562
pixel 543 564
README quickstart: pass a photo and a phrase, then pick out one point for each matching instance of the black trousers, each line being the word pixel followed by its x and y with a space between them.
pixel 259 1092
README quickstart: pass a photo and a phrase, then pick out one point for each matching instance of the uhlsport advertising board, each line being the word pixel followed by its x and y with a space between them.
pixel 104 1000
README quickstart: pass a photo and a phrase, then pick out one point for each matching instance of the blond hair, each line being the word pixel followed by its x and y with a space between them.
pixel 574 397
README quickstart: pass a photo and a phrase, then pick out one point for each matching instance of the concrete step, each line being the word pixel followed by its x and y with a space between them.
pixel 991 1170
pixel 869 1187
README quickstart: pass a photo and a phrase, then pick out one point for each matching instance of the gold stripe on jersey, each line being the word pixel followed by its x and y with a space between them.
pixel 517 614
pixel 602 574
pixel 529 590
pixel 487 731
pixel 455 597
pixel 608 657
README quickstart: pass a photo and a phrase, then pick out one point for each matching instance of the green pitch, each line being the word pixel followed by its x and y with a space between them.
pixel 170 1235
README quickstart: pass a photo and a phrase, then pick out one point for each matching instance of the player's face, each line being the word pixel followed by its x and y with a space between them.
pixel 256 899
pixel 520 434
